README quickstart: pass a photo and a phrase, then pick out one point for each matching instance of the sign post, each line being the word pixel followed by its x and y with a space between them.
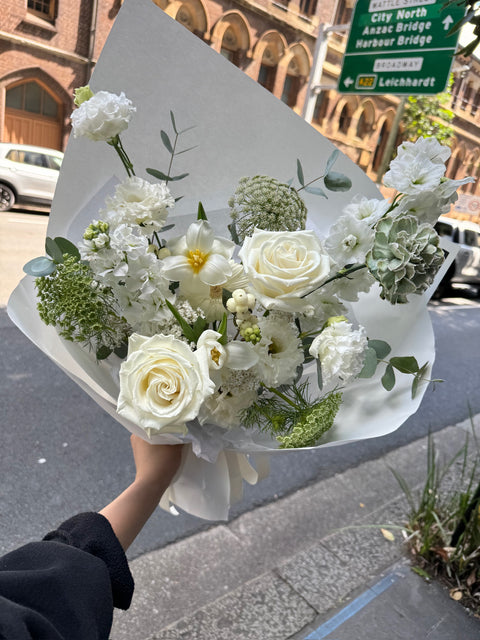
pixel 400 47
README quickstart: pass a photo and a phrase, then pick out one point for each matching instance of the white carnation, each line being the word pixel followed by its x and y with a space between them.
pixel 138 201
pixel 341 351
pixel 102 117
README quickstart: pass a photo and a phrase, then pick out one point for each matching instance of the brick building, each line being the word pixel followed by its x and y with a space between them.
pixel 49 47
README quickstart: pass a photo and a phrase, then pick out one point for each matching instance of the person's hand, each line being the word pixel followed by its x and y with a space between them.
pixel 156 464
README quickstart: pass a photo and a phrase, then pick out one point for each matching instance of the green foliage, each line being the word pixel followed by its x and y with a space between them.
pixel 171 147
pixel 81 309
pixel 429 116
pixel 444 520
pixel 332 180
pixel 471 8
pixel 191 332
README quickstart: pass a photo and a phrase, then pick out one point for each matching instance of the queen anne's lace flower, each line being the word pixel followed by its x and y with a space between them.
pixel 405 257
pixel 103 117
pixel 341 351
pixel 265 203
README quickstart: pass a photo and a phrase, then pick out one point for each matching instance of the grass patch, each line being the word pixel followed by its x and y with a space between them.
pixel 443 528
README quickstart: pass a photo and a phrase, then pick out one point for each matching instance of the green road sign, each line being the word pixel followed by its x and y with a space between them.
pixel 399 46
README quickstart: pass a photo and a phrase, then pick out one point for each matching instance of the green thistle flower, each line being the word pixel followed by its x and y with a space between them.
pixel 81 308
pixel 312 423
pixel 405 257
pixel 265 203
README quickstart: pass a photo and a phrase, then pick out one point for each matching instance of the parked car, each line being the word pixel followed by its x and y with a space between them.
pixel 465 269
pixel 27 174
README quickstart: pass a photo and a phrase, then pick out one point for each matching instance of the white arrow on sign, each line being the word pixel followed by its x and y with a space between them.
pixel 348 81
pixel 447 22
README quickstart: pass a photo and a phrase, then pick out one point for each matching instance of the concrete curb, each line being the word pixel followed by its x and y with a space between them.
pixel 274 571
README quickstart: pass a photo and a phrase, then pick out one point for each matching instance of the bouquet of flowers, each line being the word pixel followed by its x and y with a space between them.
pixel 244 339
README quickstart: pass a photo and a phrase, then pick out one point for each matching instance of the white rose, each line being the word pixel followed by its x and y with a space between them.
pixel 282 266
pixel 102 117
pixel 163 383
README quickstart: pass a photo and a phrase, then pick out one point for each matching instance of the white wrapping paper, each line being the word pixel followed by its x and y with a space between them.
pixel 240 129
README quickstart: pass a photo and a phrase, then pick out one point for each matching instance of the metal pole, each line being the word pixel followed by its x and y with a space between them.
pixel 392 137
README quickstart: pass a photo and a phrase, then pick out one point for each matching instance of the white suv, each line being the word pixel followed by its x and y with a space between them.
pixel 466 267
pixel 27 174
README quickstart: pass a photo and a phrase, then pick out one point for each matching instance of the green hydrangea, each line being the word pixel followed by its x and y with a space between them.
pixel 265 203
pixel 405 257
pixel 81 309
pixel 312 423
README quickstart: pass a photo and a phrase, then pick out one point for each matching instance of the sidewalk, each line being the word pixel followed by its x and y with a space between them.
pixel 284 571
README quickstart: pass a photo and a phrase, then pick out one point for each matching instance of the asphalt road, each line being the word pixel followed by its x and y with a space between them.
pixel 62 454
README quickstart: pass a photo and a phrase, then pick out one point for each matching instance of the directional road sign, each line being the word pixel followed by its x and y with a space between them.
pixel 399 46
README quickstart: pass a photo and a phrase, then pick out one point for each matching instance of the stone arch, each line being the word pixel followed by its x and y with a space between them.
pixel 343 114
pixel 192 14
pixel 364 119
pixel 267 54
pixel 23 125
pixel 294 69
pixel 234 23
pixel 384 125
pixel 298 53
pixel 456 162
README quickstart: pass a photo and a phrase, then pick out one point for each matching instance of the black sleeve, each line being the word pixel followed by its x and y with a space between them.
pixel 65 587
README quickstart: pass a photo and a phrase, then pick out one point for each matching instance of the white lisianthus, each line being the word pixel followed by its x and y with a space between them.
pixel 341 351
pixel 163 383
pixel 429 147
pixel 412 174
pixel 426 206
pixel 199 256
pixel 349 240
pixel 279 351
pixel 140 202
pixel 282 266
pixel 449 187
pixel 368 210
pixel 103 117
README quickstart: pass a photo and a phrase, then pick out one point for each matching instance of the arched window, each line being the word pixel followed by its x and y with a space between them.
pixel 292 84
pixel 365 123
pixel 308 7
pixel 345 119
pixel 33 115
pixel 321 107
pixel 380 148
pixel 231 36
pixel 268 69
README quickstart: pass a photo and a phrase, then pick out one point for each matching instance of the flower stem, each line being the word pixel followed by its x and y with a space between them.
pixel 119 148
pixel 282 396
pixel 343 273
pixel 309 183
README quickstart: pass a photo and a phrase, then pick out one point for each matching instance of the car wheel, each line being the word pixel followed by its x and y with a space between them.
pixel 7 198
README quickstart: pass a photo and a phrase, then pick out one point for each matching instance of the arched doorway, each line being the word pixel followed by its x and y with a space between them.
pixel 33 115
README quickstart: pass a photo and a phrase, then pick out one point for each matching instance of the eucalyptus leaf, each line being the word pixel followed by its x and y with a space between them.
pixel 179 153
pixel 172 118
pixel 121 351
pixel 370 364
pixel 201 215
pixel 39 267
pixel 187 129
pixel 319 375
pixel 337 181
pixel 406 364
pixel 103 352
pixel 158 174
pixel 316 191
pixel 382 348
pixel 67 247
pixel 167 227
pixel 331 161
pixel 300 177
pixel 289 183
pixel 179 177
pixel 53 250
pixel 388 378
pixel 166 141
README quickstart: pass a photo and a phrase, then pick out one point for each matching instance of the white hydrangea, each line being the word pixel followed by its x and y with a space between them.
pixel 341 351
pixel 279 350
pixel 349 240
pixel 368 210
pixel 103 117
pixel 137 201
